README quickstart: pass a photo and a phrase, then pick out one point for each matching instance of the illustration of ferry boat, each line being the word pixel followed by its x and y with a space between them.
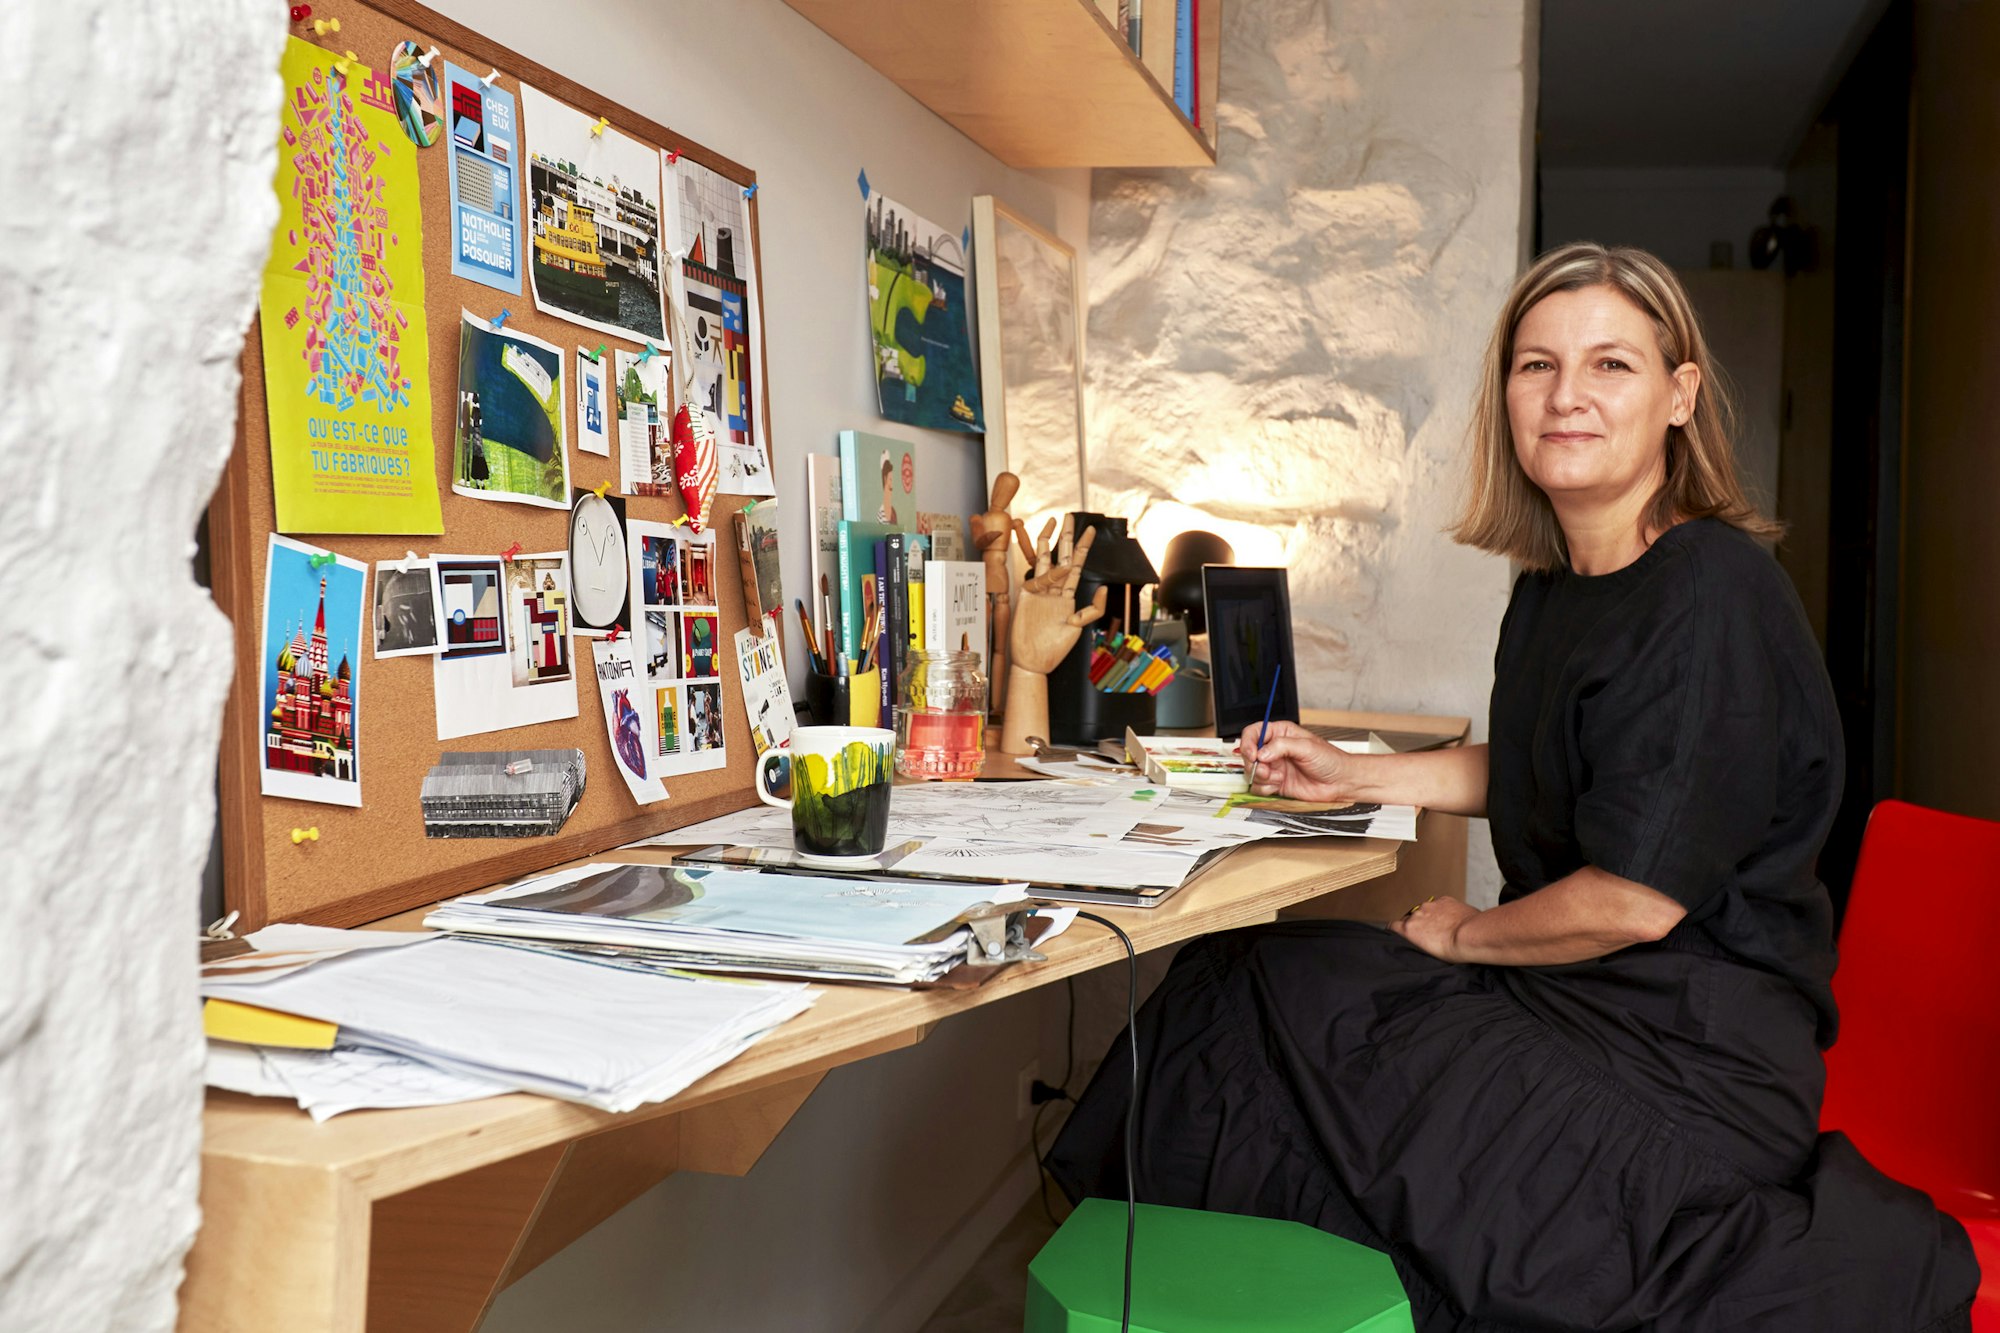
pixel 568 263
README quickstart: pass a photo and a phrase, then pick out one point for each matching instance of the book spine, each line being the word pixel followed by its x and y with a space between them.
pixel 885 658
pixel 850 586
pixel 919 592
pixel 1184 56
pixel 850 492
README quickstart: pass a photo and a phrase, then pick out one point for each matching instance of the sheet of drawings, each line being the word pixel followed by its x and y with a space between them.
pixel 708 224
pixel 678 631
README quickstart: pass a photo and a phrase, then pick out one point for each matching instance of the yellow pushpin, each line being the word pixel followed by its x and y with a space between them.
pixel 321 27
pixel 300 835
pixel 347 59
pixel 599 491
pixel 598 128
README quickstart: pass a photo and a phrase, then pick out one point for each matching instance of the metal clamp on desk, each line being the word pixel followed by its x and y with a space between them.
pixel 999 935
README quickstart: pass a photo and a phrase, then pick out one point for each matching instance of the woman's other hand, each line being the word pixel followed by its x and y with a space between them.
pixel 1293 762
pixel 1432 925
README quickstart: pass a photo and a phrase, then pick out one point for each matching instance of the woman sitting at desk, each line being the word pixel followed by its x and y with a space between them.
pixel 1595 1105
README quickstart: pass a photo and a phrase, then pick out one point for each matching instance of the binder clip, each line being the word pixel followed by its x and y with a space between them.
pixel 999 934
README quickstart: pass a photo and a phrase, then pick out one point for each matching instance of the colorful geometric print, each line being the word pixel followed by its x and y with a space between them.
pixel 353 346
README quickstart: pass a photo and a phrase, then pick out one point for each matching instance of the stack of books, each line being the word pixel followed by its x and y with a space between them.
pixel 690 918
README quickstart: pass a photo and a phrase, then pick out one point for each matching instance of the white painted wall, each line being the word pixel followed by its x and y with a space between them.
pixel 1290 341
pixel 848 1224
pixel 135 210
pixel 1674 212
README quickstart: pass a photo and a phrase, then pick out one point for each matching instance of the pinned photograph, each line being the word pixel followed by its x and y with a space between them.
pixel 511 674
pixel 594 213
pixel 698 568
pixel 469 600
pixel 645 440
pixel 538 618
pixel 918 320
pixel 660 563
pixel 408 620
pixel 311 656
pixel 509 444
pixel 704 717
pixel 663 650
pixel 699 631
pixel 667 715
pixel 593 405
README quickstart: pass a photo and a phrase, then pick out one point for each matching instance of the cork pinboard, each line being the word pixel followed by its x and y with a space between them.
pixel 375 860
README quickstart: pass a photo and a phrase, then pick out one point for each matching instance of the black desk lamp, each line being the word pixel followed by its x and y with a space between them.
pixel 1180 576
pixel 1184 703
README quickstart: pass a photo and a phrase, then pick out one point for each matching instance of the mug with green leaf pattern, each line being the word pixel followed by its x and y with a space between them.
pixel 840 789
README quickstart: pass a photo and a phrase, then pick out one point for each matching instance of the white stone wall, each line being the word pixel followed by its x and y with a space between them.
pixel 136 150
pixel 1290 341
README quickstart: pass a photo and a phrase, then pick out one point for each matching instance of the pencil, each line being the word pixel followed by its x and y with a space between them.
pixel 1268 703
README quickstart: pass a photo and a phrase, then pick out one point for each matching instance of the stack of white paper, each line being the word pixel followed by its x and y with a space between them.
pixel 478 1019
pixel 737 921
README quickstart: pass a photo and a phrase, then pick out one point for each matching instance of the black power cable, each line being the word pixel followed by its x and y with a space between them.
pixel 1131 1108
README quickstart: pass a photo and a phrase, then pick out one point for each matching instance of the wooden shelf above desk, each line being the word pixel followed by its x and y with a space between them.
pixel 1036 83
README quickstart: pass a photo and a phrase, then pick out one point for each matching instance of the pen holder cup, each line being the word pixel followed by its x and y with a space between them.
pixel 845 701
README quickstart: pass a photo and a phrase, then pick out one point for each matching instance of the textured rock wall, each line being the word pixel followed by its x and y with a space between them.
pixel 135 210
pixel 1290 341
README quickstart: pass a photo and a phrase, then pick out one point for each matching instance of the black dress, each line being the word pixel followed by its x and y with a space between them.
pixel 1629 1143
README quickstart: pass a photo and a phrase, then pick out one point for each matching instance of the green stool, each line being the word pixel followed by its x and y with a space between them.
pixel 1195 1272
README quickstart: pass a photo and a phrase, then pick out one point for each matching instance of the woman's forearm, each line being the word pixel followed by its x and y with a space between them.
pixel 1581 916
pixel 1452 781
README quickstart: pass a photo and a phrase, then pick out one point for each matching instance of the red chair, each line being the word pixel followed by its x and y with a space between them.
pixel 1914 1079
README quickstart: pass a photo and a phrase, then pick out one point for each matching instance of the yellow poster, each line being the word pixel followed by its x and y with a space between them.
pixel 346 353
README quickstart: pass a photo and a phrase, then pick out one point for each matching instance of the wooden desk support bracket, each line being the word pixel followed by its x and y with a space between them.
pixel 439 1254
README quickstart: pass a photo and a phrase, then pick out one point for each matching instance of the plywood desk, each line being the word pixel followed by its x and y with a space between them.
pixel 416 1219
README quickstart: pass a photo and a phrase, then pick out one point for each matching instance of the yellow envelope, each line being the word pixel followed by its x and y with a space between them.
pixel 227 1020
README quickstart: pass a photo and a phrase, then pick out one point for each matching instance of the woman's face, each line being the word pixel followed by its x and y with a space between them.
pixel 1590 397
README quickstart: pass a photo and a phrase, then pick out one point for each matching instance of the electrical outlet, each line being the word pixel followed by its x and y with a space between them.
pixel 1024 1082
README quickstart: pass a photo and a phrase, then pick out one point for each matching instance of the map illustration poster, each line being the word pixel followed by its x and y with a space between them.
pixel 918 321
pixel 341 316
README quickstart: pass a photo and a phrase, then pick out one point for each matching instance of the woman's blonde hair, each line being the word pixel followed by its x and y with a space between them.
pixel 1506 513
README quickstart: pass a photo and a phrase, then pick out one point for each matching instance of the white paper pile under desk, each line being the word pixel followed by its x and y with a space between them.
pixel 606 1036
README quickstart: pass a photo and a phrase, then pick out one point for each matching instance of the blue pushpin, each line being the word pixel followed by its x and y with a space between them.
pixel 863 182
pixel 750 191
pixel 647 355
pixel 501 320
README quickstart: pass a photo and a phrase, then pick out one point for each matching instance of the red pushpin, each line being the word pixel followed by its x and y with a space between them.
pixel 511 551
pixel 300 13
pixel 673 155
pixel 612 637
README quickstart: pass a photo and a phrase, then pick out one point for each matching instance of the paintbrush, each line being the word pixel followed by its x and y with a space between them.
pixel 826 615
pixel 812 638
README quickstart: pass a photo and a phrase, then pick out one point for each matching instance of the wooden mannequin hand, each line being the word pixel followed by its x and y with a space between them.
pixel 1047 620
